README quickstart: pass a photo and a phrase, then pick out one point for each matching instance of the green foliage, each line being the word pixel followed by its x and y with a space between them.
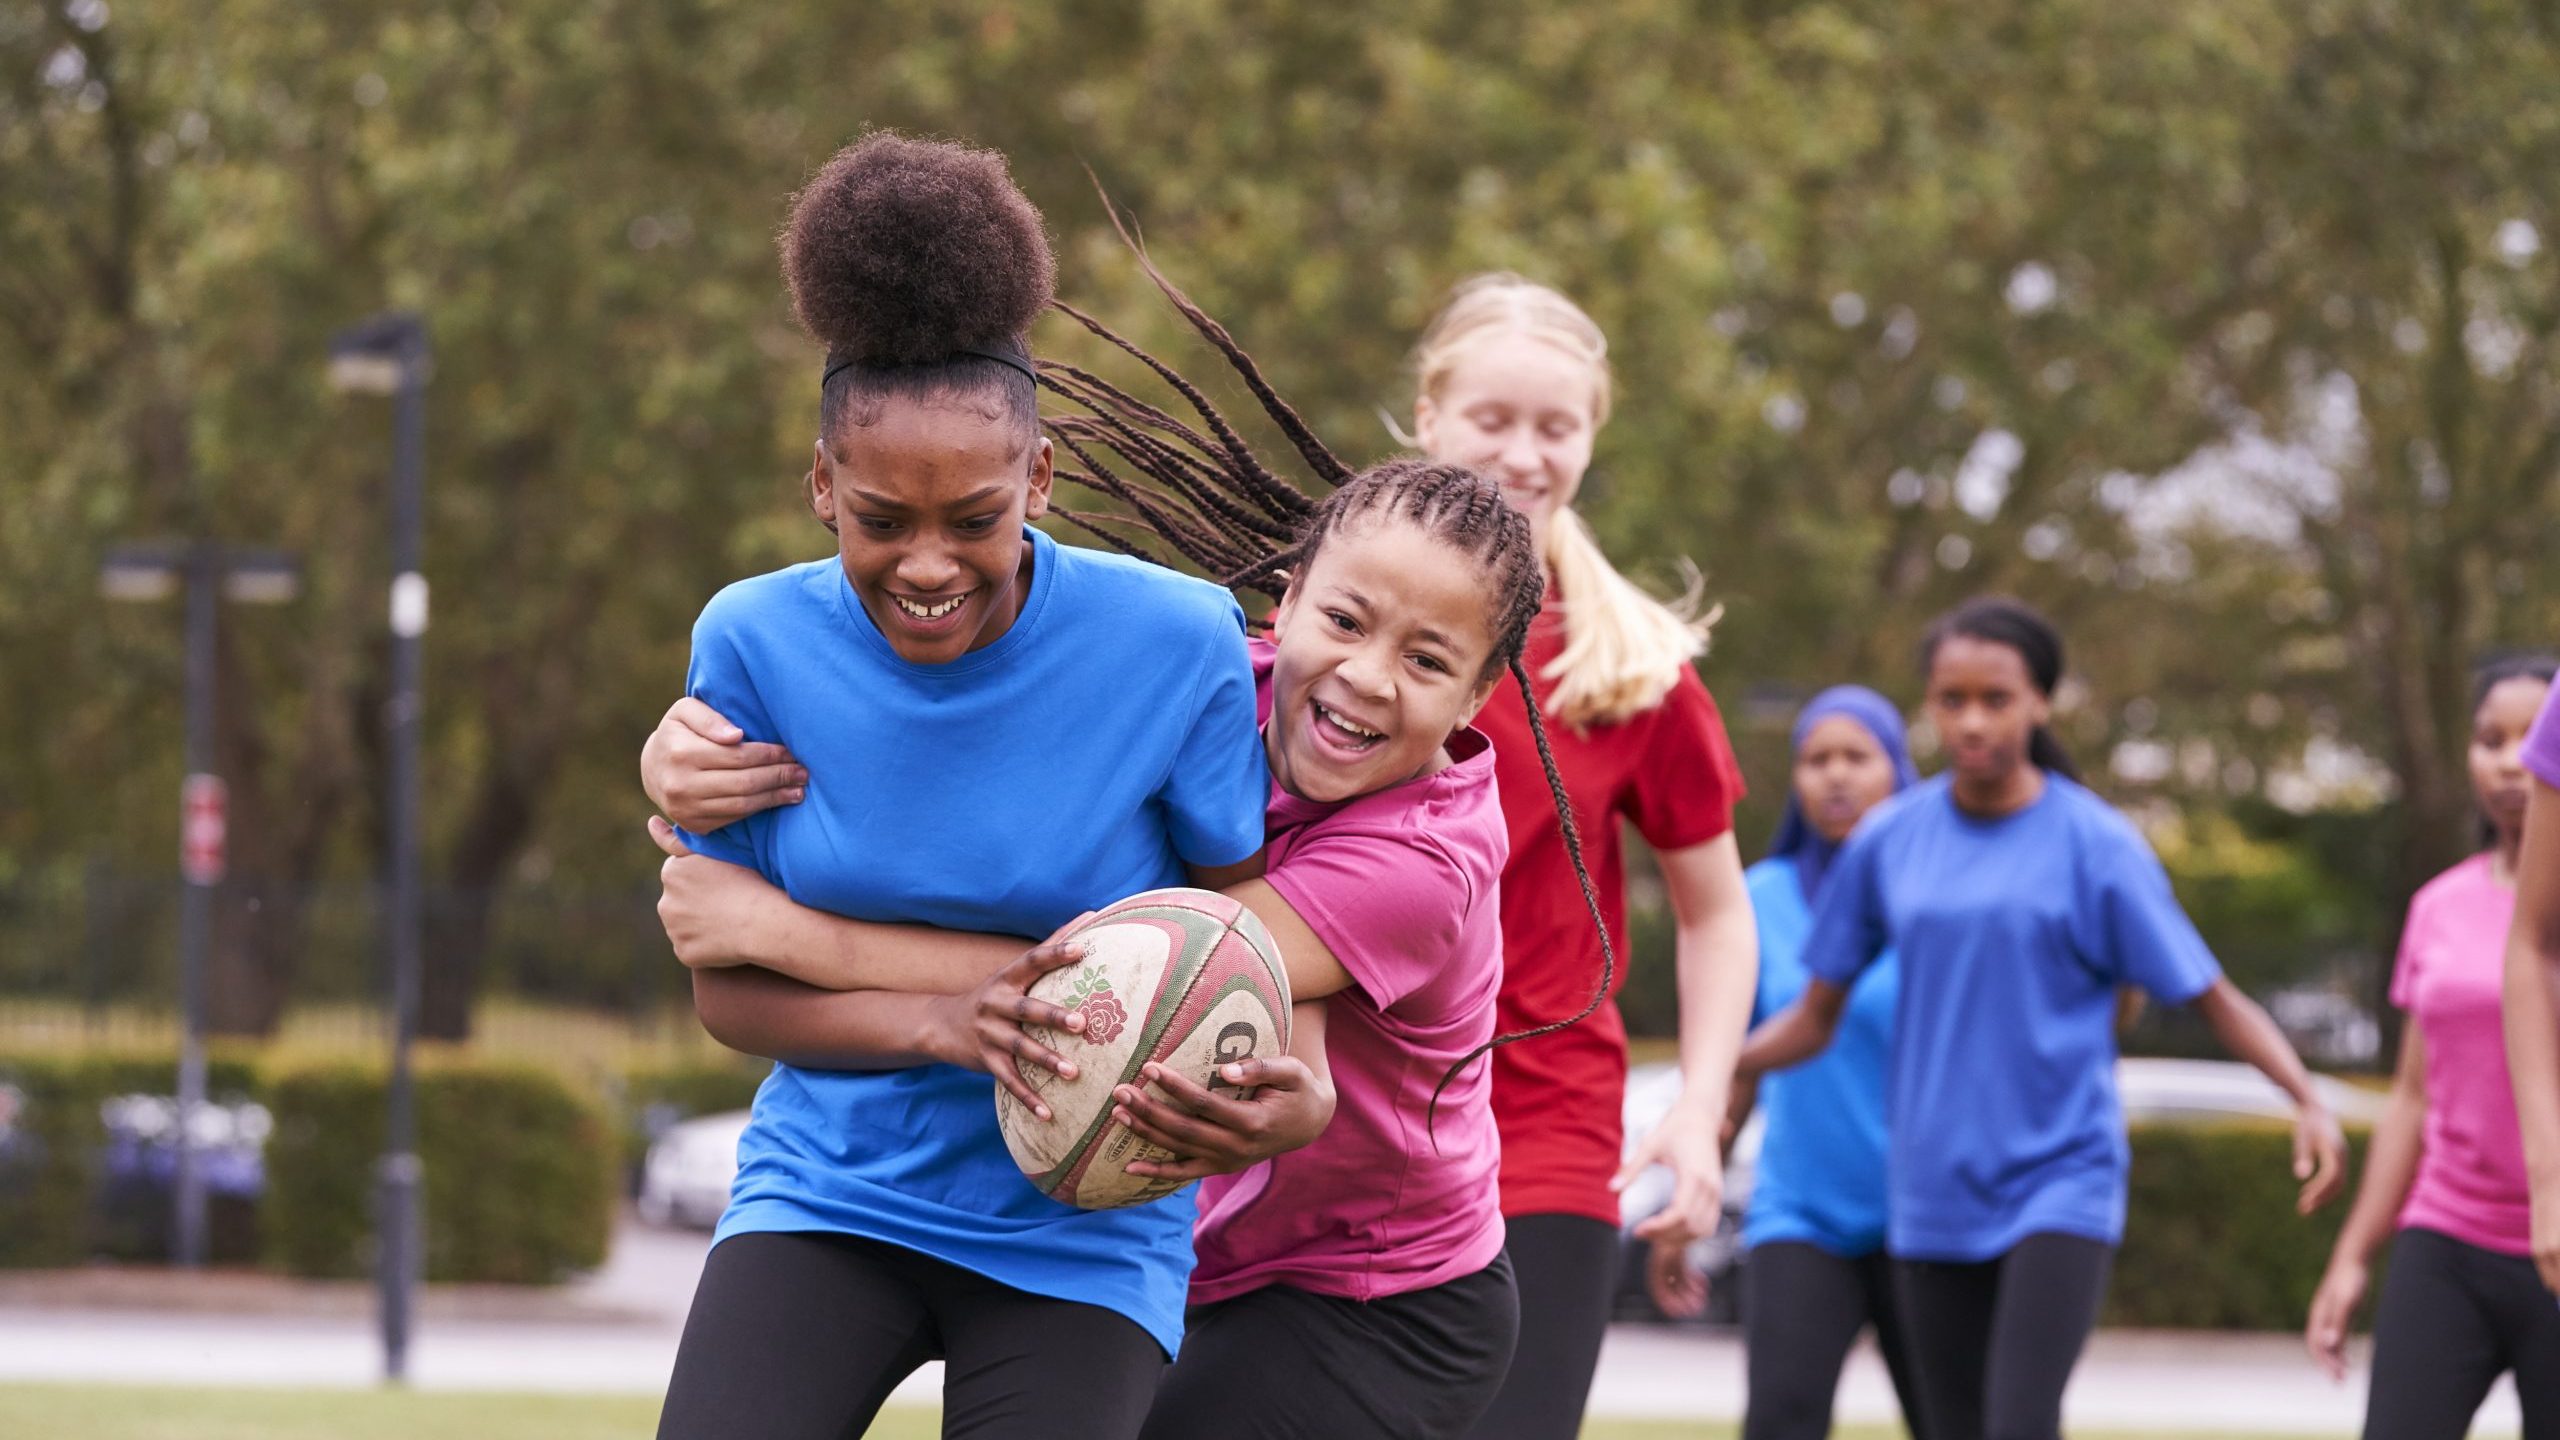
pixel 2211 1240
pixel 2209 327
pixel 519 1172
pixel 53 1171
pixel 2271 913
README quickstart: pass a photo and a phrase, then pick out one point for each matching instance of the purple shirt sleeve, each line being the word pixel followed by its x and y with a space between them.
pixel 2542 743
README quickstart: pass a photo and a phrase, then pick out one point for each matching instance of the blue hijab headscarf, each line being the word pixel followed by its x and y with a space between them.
pixel 1797 839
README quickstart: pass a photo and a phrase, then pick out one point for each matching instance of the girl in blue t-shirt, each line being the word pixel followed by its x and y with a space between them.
pixel 1815 1226
pixel 974 764
pixel 2019 904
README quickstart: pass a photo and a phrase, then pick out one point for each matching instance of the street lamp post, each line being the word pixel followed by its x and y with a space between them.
pixel 388 355
pixel 209 572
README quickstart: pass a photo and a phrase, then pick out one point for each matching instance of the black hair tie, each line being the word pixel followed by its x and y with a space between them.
pixel 1008 352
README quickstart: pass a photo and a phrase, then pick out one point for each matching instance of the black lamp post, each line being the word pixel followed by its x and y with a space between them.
pixel 388 355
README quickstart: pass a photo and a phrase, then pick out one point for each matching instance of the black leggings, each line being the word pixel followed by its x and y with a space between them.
pixel 802 1336
pixel 2453 1318
pixel 1804 1310
pixel 1281 1363
pixel 1568 1267
pixel 1994 1341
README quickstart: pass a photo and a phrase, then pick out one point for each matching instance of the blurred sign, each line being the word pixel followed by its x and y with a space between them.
pixel 204 807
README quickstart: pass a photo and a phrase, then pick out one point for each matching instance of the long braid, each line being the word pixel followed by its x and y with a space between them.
pixel 1218 506
pixel 1590 900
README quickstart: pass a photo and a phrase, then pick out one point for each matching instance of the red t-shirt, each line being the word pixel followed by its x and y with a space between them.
pixel 1670 772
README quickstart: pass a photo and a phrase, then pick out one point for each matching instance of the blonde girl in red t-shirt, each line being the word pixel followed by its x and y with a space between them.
pixel 1512 380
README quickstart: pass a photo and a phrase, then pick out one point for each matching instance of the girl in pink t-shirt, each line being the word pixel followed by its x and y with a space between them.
pixel 2461 1304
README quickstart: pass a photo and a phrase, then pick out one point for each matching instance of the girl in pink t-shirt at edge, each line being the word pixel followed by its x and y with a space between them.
pixel 2460 1304
pixel 1358 1286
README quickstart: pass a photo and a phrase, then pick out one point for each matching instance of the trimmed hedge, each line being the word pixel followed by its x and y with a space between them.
pixel 53 1173
pixel 2211 1238
pixel 519 1172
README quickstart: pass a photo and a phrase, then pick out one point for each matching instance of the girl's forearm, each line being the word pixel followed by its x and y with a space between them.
pixel 2533 1040
pixel 774 1016
pixel 771 931
pixel 839 954
pixel 2246 1031
pixel 1795 1034
pixel 1718 957
pixel 2391 1161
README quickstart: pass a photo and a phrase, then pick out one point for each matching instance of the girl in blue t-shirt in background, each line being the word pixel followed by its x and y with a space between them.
pixel 2018 904
pixel 1002 733
pixel 1815 1226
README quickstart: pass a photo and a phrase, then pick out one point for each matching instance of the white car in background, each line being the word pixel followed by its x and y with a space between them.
pixel 2152 1092
pixel 685 1179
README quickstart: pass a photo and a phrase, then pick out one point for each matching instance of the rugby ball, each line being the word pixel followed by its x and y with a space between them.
pixel 1188 979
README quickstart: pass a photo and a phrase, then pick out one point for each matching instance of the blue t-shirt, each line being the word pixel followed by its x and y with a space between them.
pixel 1820 1177
pixel 1102 741
pixel 2014 934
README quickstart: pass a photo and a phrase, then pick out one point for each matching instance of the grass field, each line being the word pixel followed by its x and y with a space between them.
pixel 91 1412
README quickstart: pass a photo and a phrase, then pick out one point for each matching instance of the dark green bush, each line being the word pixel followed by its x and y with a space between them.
pixel 519 1172
pixel 2211 1238
pixel 53 1171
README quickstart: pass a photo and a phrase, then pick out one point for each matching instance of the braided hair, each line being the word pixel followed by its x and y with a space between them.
pixel 1193 486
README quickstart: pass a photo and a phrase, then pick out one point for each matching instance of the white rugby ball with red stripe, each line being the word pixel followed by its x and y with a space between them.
pixel 1185 978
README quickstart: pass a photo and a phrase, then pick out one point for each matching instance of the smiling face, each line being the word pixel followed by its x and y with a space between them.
pixel 1383 643
pixel 1840 774
pixel 1985 706
pixel 2498 777
pixel 929 503
pixel 1520 412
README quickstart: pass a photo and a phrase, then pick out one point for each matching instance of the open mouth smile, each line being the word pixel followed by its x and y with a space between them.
pixel 1344 731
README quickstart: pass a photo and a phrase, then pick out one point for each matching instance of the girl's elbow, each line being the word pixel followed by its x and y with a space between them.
pixel 715 1004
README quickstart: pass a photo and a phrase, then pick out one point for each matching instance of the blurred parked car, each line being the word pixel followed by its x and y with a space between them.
pixel 2153 1092
pixel 685 1180
pixel 137 1194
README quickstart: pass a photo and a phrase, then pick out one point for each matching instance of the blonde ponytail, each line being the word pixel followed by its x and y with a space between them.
pixel 1623 649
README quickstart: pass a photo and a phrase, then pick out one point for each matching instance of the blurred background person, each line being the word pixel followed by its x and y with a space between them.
pixel 1815 1229
pixel 2018 902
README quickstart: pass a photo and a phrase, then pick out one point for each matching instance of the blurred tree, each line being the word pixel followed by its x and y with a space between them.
pixel 2222 332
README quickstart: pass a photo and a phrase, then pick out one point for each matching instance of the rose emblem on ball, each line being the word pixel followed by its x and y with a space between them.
pixel 1104 1015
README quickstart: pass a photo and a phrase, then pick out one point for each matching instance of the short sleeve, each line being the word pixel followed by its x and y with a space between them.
pixel 1391 910
pixel 2148 938
pixel 1849 929
pixel 2542 742
pixel 718 676
pixel 1215 793
pixel 1687 785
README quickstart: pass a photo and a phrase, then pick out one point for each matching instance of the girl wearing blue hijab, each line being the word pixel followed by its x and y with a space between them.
pixel 1815 1229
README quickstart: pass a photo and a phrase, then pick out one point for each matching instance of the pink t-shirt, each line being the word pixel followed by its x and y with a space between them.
pixel 1402 884
pixel 2542 742
pixel 2471 1182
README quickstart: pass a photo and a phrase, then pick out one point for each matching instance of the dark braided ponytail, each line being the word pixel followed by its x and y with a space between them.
pixel 1200 491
